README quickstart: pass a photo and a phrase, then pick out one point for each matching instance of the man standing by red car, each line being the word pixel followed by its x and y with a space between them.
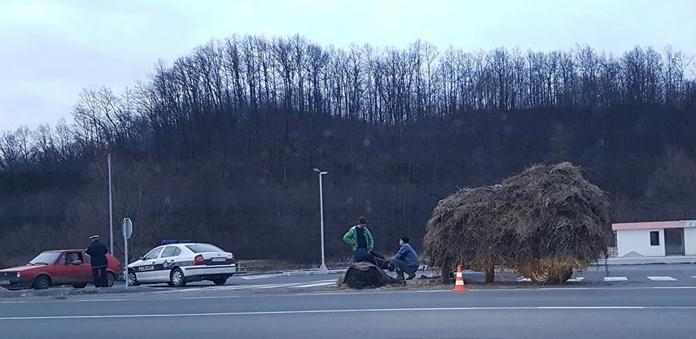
pixel 97 252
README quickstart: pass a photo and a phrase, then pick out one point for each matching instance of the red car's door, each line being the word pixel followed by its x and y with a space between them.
pixel 61 271
pixel 84 270
pixel 71 268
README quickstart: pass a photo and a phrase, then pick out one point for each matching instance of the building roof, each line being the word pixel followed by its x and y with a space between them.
pixel 648 225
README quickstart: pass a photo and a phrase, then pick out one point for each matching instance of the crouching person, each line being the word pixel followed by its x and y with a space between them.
pixel 405 260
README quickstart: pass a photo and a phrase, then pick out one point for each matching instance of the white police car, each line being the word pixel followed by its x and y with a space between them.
pixel 177 263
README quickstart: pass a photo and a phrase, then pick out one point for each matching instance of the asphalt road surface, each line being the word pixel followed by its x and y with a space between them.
pixel 633 308
pixel 636 301
pixel 632 275
pixel 641 275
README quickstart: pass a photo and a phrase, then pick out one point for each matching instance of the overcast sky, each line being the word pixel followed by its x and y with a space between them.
pixel 50 50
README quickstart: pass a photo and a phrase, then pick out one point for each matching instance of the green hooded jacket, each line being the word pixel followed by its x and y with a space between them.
pixel 350 238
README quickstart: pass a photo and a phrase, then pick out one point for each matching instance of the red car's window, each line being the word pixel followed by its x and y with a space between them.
pixel 73 258
pixel 45 258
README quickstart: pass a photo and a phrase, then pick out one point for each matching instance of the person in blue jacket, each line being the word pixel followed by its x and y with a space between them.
pixel 405 260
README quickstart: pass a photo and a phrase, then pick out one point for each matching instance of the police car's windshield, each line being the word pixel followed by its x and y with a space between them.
pixel 200 248
pixel 45 258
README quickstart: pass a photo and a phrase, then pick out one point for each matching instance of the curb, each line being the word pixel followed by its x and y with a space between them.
pixel 298 272
pixel 314 272
pixel 68 292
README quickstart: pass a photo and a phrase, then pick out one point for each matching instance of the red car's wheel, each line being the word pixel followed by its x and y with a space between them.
pixel 109 279
pixel 41 282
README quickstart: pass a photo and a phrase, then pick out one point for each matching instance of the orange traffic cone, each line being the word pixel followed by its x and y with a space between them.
pixel 459 281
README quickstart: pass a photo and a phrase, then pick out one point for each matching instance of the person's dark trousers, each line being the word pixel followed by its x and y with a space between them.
pixel 361 254
pixel 402 267
pixel 99 275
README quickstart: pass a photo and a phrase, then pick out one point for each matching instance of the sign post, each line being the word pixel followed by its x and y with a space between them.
pixel 127 233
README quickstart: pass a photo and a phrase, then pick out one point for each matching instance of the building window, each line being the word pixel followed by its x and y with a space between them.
pixel 654 238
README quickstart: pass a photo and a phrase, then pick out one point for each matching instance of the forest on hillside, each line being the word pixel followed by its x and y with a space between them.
pixel 219 145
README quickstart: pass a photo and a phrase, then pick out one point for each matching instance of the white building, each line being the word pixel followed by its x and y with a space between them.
pixel 658 238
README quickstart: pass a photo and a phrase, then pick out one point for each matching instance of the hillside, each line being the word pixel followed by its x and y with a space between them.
pixel 220 144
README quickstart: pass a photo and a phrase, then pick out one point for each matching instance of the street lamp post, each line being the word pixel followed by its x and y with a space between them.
pixel 321 214
pixel 111 219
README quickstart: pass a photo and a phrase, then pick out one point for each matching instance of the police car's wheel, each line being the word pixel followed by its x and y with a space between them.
pixel 132 279
pixel 177 278
pixel 110 279
pixel 42 282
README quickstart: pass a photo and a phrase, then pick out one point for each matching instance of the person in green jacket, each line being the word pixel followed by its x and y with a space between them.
pixel 361 239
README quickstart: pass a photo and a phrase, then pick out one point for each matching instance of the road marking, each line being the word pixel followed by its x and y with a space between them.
pixel 275 286
pixel 292 273
pixel 317 284
pixel 395 292
pixel 212 297
pixel 615 279
pixel 693 276
pixel 260 276
pixel 249 287
pixel 99 300
pixel 338 311
pixel 262 286
pixel 179 290
pixel 576 279
pixel 228 288
pixel 666 278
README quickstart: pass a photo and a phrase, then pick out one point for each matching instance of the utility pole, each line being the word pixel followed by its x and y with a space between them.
pixel 321 213
pixel 111 219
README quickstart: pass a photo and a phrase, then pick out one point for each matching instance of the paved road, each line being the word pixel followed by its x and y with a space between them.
pixel 627 275
pixel 676 274
pixel 593 312
pixel 658 274
pixel 624 275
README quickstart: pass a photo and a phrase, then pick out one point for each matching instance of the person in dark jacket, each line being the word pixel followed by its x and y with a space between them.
pixel 97 252
pixel 405 260
pixel 361 239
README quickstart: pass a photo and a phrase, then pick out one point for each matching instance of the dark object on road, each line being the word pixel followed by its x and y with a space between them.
pixel 382 262
pixel 366 275
pixel 543 222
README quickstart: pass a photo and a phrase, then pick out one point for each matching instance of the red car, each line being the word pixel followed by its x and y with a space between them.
pixel 59 267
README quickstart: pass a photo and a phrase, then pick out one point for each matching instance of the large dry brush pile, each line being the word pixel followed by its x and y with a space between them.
pixel 542 222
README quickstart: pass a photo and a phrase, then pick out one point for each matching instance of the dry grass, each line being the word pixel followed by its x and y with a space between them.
pixel 548 215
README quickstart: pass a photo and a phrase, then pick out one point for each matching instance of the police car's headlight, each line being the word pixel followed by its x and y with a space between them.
pixel 19 274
